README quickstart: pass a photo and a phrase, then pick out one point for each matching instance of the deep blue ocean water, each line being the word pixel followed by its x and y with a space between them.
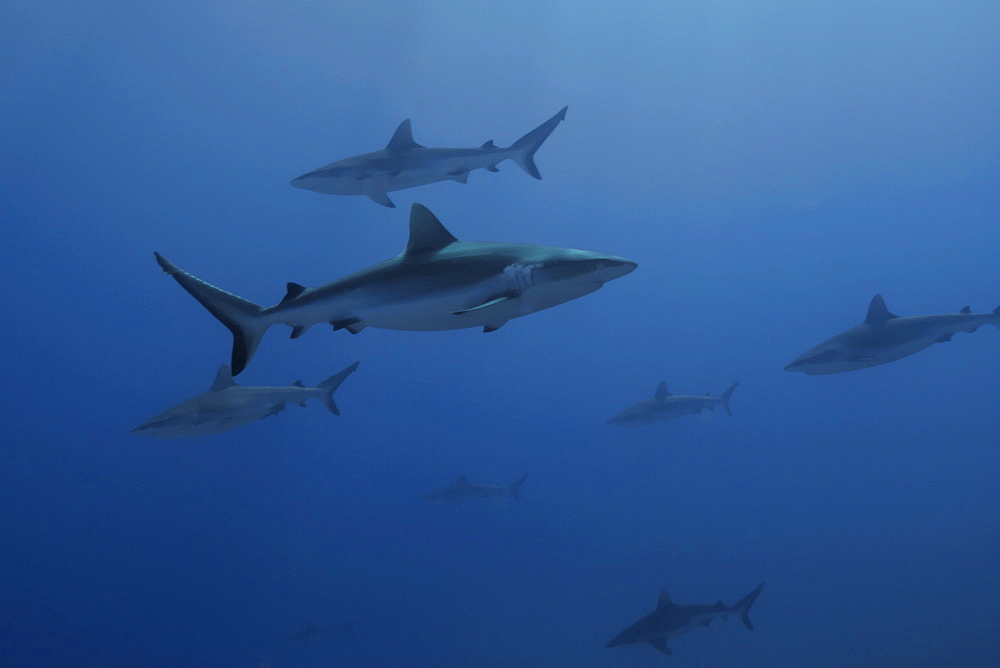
pixel 769 166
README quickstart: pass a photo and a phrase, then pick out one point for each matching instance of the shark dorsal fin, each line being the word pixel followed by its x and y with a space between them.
pixel 298 383
pixel 966 311
pixel 462 480
pixel 223 379
pixel 878 313
pixel 427 234
pixel 664 601
pixel 662 392
pixel 402 139
pixel 293 290
pixel 489 144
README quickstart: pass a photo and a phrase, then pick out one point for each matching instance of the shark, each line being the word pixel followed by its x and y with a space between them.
pixel 437 283
pixel 463 489
pixel 665 406
pixel 312 630
pixel 404 163
pixel 670 620
pixel 884 337
pixel 227 405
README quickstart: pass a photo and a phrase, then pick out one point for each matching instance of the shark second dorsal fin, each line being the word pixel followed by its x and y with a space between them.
pixel 878 313
pixel 664 601
pixel 489 144
pixel 661 391
pixel 966 310
pixel 462 480
pixel 223 379
pixel 292 290
pixel 298 383
pixel 427 234
pixel 402 139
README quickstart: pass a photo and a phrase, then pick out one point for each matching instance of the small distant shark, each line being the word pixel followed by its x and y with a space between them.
pixel 884 337
pixel 404 163
pixel 463 489
pixel 227 405
pixel 436 283
pixel 312 630
pixel 665 406
pixel 670 620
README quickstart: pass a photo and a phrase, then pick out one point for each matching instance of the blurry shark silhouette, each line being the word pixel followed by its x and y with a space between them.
pixel 665 406
pixel 404 163
pixel 670 620
pixel 463 489
pixel 227 405
pixel 884 337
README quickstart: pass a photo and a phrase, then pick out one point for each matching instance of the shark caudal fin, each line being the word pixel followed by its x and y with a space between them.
pixel 727 395
pixel 241 316
pixel 525 147
pixel 330 385
pixel 996 312
pixel 517 485
pixel 743 607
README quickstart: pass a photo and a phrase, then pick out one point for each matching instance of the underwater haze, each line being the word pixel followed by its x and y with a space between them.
pixel 770 167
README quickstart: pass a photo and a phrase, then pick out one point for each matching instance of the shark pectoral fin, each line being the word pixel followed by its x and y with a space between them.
pixel 381 198
pixel 352 325
pixel 661 645
pixel 492 301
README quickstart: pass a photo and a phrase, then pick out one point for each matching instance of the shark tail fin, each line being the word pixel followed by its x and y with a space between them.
pixel 517 486
pixel 996 312
pixel 727 395
pixel 241 316
pixel 743 607
pixel 330 385
pixel 525 147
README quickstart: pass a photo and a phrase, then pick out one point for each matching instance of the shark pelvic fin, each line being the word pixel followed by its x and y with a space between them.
pixel 878 313
pixel 381 198
pixel 352 325
pixel 427 234
pixel 298 331
pixel 661 645
pixel 293 290
pixel 661 391
pixel 223 379
pixel 402 139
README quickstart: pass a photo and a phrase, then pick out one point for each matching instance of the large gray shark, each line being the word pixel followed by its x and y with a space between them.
pixel 463 489
pixel 227 405
pixel 665 406
pixel 404 163
pixel 884 337
pixel 670 620
pixel 437 283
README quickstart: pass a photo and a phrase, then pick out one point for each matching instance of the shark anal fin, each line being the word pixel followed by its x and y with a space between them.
pixel 381 198
pixel 352 325
pixel 298 331
pixel 492 168
pixel 492 301
pixel 660 645
pixel 492 328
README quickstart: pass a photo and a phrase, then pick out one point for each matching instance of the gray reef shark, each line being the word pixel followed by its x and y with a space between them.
pixel 312 630
pixel 884 337
pixel 227 405
pixel 670 620
pixel 463 489
pixel 665 406
pixel 436 283
pixel 404 163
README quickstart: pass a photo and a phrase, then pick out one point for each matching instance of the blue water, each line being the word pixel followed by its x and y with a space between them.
pixel 770 168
